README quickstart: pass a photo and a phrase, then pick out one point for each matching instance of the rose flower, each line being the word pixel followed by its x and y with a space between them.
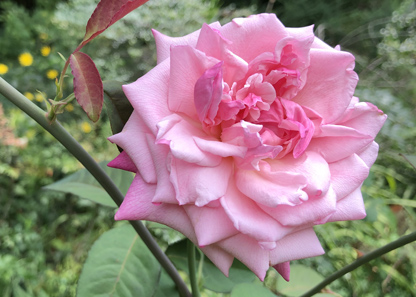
pixel 245 136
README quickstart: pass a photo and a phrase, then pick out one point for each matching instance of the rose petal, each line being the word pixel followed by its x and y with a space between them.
pixel 338 142
pixel 194 184
pixel 133 140
pixel 309 212
pixel 208 93
pixel 369 154
pixel 213 44
pixel 330 84
pixel 179 135
pixel 349 208
pixel 187 65
pixel 137 206
pixel 249 219
pixel 164 42
pixel 310 165
pixel 219 148
pixel 271 188
pixel 211 224
pixel 149 94
pixel 299 245
pixel 253 35
pixel 347 174
pixel 123 161
pixel 283 269
pixel 363 117
pixel 222 259
pixel 248 251
pixel 164 193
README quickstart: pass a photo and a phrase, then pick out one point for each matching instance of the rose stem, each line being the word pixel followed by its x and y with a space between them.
pixel 192 269
pixel 361 261
pixel 78 151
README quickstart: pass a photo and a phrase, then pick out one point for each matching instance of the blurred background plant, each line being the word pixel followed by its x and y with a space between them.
pixel 45 236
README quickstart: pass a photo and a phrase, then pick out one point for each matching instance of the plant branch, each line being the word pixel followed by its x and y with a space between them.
pixel 78 151
pixel 192 269
pixel 361 261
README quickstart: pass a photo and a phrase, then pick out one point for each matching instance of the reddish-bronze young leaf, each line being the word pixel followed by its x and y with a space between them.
pixel 88 87
pixel 105 14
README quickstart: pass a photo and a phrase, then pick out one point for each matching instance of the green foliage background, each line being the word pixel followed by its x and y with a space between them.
pixel 45 236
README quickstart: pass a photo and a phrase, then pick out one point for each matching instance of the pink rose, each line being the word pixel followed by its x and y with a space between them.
pixel 244 137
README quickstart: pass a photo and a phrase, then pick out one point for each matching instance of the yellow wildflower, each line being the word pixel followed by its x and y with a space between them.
pixel 52 74
pixel 3 69
pixel 45 50
pixel 39 97
pixel 29 96
pixel 69 107
pixel 25 59
pixel 86 127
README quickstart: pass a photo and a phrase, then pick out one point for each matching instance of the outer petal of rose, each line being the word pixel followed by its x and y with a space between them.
pixel 211 224
pixel 137 205
pixel 199 185
pixel 123 161
pixel 312 211
pixel 186 67
pixel 133 140
pixel 300 32
pixel 349 208
pixel 364 117
pixel 247 250
pixel 338 142
pixel 253 35
pixel 219 148
pixel 149 94
pixel 179 135
pixel 283 269
pixel 299 245
pixel 369 154
pixel 160 154
pixel 272 188
pixel 214 45
pixel 164 42
pixel 330 85
pixel 347 175
pixel 221 258
pixel 249 219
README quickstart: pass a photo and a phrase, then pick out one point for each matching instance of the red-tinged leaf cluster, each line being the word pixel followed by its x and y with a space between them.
pixel 88 86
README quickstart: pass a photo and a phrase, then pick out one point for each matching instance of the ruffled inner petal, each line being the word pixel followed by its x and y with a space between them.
pixel 187 65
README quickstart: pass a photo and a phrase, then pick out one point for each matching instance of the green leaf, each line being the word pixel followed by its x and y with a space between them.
pixel 250 290
pixel 84 185
pixel 19 292
pixel 214 279
pixel 118 106
pixel 88 87
pixel 119 265
pixel 302 279
pixel 166 287
pixel 402 202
